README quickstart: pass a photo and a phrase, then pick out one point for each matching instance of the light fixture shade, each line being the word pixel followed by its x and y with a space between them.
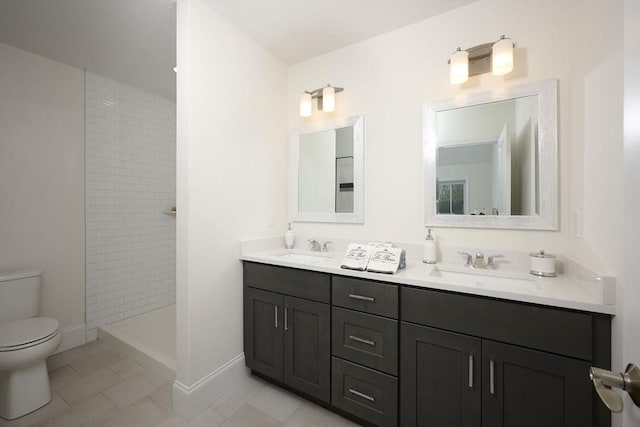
pixel 328 99
pixel 502 54
pixel 459 67
pixel 305 105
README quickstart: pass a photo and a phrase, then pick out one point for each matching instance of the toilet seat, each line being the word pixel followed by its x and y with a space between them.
pixel 25 333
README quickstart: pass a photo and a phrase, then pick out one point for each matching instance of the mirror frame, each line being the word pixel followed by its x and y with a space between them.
pixel 547 219
pixel 355 217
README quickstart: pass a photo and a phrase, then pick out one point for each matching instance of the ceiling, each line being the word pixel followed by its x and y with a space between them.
pixel 133 41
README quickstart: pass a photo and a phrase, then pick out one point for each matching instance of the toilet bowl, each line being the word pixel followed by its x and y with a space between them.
pixel 26 341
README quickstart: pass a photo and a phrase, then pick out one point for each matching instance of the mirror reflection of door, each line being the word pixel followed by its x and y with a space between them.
pixel 493 148
pixel 325 171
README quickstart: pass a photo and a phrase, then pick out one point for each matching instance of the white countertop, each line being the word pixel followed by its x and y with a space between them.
pixel 584 292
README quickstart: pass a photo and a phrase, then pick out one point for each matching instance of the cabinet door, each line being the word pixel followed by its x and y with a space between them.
pixel 530 388
pixel 439 378
pixel 307 364
pixel 263 324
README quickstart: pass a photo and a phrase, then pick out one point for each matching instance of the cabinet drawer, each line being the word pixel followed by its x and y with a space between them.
pixel 557 331
pixel 365 339
pixel 365 393
pixel 289 281
pixel 365 295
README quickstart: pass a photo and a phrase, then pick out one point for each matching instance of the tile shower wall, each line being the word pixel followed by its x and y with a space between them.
pixel 130 183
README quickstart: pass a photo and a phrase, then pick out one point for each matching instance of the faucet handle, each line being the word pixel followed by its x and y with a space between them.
pixel 469 258
pixel 490 263
pixel 314 245
pixel 325 246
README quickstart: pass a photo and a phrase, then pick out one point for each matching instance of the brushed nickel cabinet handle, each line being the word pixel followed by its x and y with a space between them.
pixel 286 320
pixel 362 340
pixel 362 298
pixel 471 370
pixel 362 395
pixel 492 372
pixel 275 310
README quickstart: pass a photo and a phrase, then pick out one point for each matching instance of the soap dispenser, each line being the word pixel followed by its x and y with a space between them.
pixel 430 251
pixel 289 238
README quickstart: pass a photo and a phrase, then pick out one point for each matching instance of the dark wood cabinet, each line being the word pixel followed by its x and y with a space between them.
pixel 530 388
pixel 454 372
pixel 287 338
pixel 390 355
pixel 307 340
pixel 440 378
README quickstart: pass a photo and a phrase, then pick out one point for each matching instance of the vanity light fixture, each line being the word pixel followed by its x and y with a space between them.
pixel 496 57
pixel 326 97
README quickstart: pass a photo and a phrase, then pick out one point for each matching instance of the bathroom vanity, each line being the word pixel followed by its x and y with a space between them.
pixel 401 349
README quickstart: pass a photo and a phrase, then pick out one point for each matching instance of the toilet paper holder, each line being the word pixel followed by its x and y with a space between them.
pixel 605 381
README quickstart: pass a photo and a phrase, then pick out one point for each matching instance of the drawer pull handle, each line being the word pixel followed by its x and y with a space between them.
pixel 362 298
pixel 470 370
pixel 362 340
pixel 362 395
pixel 492 372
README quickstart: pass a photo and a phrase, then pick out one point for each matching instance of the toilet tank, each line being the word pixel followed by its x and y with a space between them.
pixel 19 295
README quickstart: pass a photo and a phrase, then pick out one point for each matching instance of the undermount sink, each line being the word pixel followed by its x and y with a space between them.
pixel 481 277
pixel 306 257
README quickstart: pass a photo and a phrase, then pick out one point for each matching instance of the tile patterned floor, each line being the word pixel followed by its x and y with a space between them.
pixel 93 385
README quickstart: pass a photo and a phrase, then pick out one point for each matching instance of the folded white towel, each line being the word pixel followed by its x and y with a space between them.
pixel 384 260
pixel 357 257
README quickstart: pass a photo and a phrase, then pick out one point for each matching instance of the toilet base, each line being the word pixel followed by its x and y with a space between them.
pixel 24 390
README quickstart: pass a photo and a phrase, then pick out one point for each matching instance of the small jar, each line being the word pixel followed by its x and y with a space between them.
pixel 543 265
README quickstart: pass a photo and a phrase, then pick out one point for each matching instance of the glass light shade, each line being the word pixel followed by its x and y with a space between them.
pixel 328 99
pixel 502 54
pixel 305 105
pixel 459 67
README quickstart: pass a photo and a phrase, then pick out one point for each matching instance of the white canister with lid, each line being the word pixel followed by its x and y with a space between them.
pixel 543 265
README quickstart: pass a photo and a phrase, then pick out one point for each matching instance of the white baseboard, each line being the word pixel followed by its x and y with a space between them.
pixel 73 336
pixel 189 401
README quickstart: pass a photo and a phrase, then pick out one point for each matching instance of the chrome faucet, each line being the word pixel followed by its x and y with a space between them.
pixel 325 246
pixel 479 261
pixel 314 245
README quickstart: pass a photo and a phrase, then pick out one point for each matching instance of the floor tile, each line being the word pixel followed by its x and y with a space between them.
pixel 143 413
pixel 80 389
pixel 238 396
pixel 61 376
pixel 64 358
pixel 55 407
pixel 207 418
pixel 174 422
pixel 94 347
pixel 95 362
pixel 277 403
pixel 89 413
pixel 248 416
pixel 126 368
pixel 309 415
pixel 132 389
pixel 163 396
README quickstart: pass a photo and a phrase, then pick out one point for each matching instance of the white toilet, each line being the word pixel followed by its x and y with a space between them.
pixel 25 343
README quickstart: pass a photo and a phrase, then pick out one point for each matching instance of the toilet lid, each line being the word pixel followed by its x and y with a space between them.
pixel 21 332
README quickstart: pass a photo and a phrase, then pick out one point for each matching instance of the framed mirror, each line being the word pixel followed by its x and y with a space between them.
pixel 326 172
pixel 491 159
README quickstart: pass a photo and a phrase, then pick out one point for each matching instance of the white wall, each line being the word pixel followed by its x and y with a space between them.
pixel 231 179
pixel 389 78
pixel 130 182
pixel 42 177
